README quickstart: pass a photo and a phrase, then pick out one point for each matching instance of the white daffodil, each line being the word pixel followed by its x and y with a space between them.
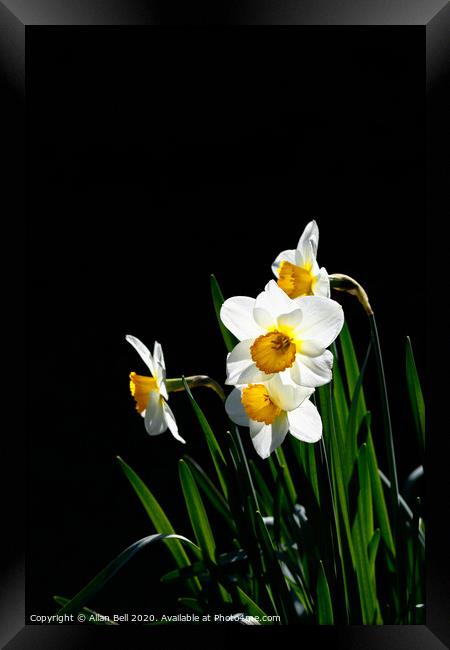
pixel 271 410
pixel 150 393
pixel 278 334
pixel 297 270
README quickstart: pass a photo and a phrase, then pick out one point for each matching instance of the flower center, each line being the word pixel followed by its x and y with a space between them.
pixel 140 388
pixel 258 404
pixel 273 352
pixel 295 280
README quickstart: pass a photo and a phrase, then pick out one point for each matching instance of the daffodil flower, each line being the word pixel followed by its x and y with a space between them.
pixel 297 270
pixel 280 335
pixel 271 410
pixel 150 393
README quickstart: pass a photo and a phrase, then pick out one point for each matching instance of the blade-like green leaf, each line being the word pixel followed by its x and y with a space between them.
pixel 337 490
pixel 252 608
pixel 197 513
pixel 288 482
pixel 340 402
pixel 279 590
pixel 211 440
pixel 355 421
pixel 97 583
pixel 323 602
pixel 92 617
pixel 362 533
pixel 415 394
pixel 265 495
pixel 365 494
pixel 373 549
pixel 218 300
pixel 352 374
pixel 191 603
pixel 211 492
pixel 155 512
pixel 388 433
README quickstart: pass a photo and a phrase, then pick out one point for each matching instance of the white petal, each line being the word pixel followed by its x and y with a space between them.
pixel 235 408
pixel 291 320
pixel 241 352
pixel 322 319
pixel 162 387
pixel 251 375
pixel 161 382
pixel 305 422
pixel 171 423
pixel 158 355
pixel 305 257
pixel 267 437
pixel 237 316
pixel 155 421
pixel 321 285
pixel 238 360
pixel 264 319
pixel 312 348
pixel 160 376
pixel 287 396
pixel 143 352
pixel 312 371
pixel 285 256
pixel 308 244
pixel 274 300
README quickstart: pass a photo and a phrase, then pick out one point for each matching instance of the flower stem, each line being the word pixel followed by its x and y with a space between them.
pixel 342 282
pixel 176 385
pixel 389 438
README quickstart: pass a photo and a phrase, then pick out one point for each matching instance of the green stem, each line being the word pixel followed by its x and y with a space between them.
pixel 389 438
pixel 195 381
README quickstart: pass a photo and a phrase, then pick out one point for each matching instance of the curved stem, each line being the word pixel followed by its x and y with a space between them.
pixel 195 381
pixel 342 282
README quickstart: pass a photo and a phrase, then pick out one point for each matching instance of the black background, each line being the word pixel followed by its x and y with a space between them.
pixel 158 157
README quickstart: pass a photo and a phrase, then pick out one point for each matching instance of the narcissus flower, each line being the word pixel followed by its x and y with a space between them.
pixel 297 270
pixel 150 393
pixel 271 410
pixel 280 335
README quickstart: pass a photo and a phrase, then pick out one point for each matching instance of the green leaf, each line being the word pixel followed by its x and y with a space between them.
pixel 100 580
pixel 415 394
pixel 323 602
pixel 274 576
pixel 197 512
pixel 352 376
pixel 98 619
pixel 388 433
pixel 252 608
pixel 365 493
pixel 355 421
pixel 362 532
pixel 211 492
pixel 156 513
pixel 337 462
pixel 351 370
pixel 191 603
pixel 288 482
pixel 372 550
pixel 218 300
pixel 338 492
pixel 211 440
pixel 340 401
pixel 265 495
